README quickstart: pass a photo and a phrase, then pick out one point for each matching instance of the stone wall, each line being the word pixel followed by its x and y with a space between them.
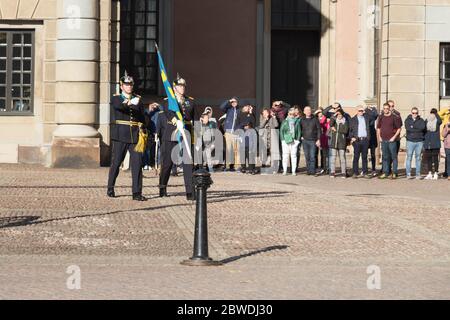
pixel 76 62
pixel 32 132
pixel 412 32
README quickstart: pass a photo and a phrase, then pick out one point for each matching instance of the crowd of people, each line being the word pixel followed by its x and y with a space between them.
pixel 168 138
pixel 324 136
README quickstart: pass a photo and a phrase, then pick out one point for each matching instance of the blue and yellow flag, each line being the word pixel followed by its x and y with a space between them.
pixel 173 104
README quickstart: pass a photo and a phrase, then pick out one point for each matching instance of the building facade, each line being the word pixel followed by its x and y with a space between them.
pixel 60 61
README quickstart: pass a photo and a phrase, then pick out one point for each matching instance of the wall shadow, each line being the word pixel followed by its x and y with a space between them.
pixel 297 29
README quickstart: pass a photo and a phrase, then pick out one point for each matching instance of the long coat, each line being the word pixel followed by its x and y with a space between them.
pixel 339 138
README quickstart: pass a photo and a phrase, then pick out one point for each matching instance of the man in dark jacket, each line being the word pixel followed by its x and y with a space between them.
pixel 230 125
pixel 311 131
pixel 373 143
pixel 415 135
pixel 360 138
pixel 128 121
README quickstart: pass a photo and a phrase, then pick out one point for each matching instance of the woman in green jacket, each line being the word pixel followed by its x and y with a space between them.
pixel 290 133
pixel 339 127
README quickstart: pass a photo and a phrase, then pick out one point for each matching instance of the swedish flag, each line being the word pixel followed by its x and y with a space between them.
pixel 173 104
pixel 172 101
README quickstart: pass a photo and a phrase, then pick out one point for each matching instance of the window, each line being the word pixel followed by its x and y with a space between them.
pixel 139 32
pixel 445 70
pixel 296 14
pixel 16 72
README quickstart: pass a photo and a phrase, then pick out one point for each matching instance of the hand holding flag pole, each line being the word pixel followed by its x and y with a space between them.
pixel 172 101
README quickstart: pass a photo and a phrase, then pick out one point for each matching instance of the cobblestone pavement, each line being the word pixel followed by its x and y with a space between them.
pixel 280 237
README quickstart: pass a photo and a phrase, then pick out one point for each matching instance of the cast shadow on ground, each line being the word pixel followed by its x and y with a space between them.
pixel 7 222
pixel 252 253
pixel 219 196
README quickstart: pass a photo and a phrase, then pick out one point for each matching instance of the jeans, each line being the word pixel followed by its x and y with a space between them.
pixel 411 148
pixel 309 148
pixel 342 160
pixel 360 149
pixel 290 150
pixel 390 155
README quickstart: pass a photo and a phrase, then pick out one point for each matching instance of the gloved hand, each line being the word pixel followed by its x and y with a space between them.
pixel 134 101
pixel 180 125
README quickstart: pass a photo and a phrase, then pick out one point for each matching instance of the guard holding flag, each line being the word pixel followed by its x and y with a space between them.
pixel 168 127
pixel 128 133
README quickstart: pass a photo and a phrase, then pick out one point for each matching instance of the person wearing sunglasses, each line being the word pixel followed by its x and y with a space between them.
pixel 415 135
pixel 388 129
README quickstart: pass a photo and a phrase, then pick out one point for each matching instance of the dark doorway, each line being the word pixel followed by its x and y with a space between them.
pixel 295 66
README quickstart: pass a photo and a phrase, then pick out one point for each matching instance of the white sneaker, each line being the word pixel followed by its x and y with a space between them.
pixel 436 176
pixel 429 176
pixel 284 173
pixel 409 177
pixel 294 174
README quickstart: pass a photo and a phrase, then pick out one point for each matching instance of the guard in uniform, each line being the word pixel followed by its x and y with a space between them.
pixel 167 131
pixel 128 131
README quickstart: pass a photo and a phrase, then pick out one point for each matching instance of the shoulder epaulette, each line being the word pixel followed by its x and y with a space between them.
pixel 138 96
pixel 166 99
pixel 161 111
pixel 116 95
pixel 191 98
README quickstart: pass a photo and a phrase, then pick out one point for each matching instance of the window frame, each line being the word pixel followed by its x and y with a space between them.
pixel 442 64
pixel 127 57
pixel 9 72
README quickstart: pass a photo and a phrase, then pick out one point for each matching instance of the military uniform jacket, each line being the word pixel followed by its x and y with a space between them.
pixel 166 127
pixel 123 112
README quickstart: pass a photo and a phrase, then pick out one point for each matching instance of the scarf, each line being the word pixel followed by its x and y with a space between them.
pixel 431 122
pixel 342 121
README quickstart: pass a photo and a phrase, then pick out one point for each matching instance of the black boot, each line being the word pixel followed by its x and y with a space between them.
pixel 163 192
pixel 110 193
pixel 139 197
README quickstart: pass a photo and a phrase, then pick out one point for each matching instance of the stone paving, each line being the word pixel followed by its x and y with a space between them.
pixel 280 237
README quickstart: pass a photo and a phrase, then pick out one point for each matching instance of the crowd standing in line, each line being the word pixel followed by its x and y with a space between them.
pixel 324 135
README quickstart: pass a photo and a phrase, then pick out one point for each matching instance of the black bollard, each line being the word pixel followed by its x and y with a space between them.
pixel 202 181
